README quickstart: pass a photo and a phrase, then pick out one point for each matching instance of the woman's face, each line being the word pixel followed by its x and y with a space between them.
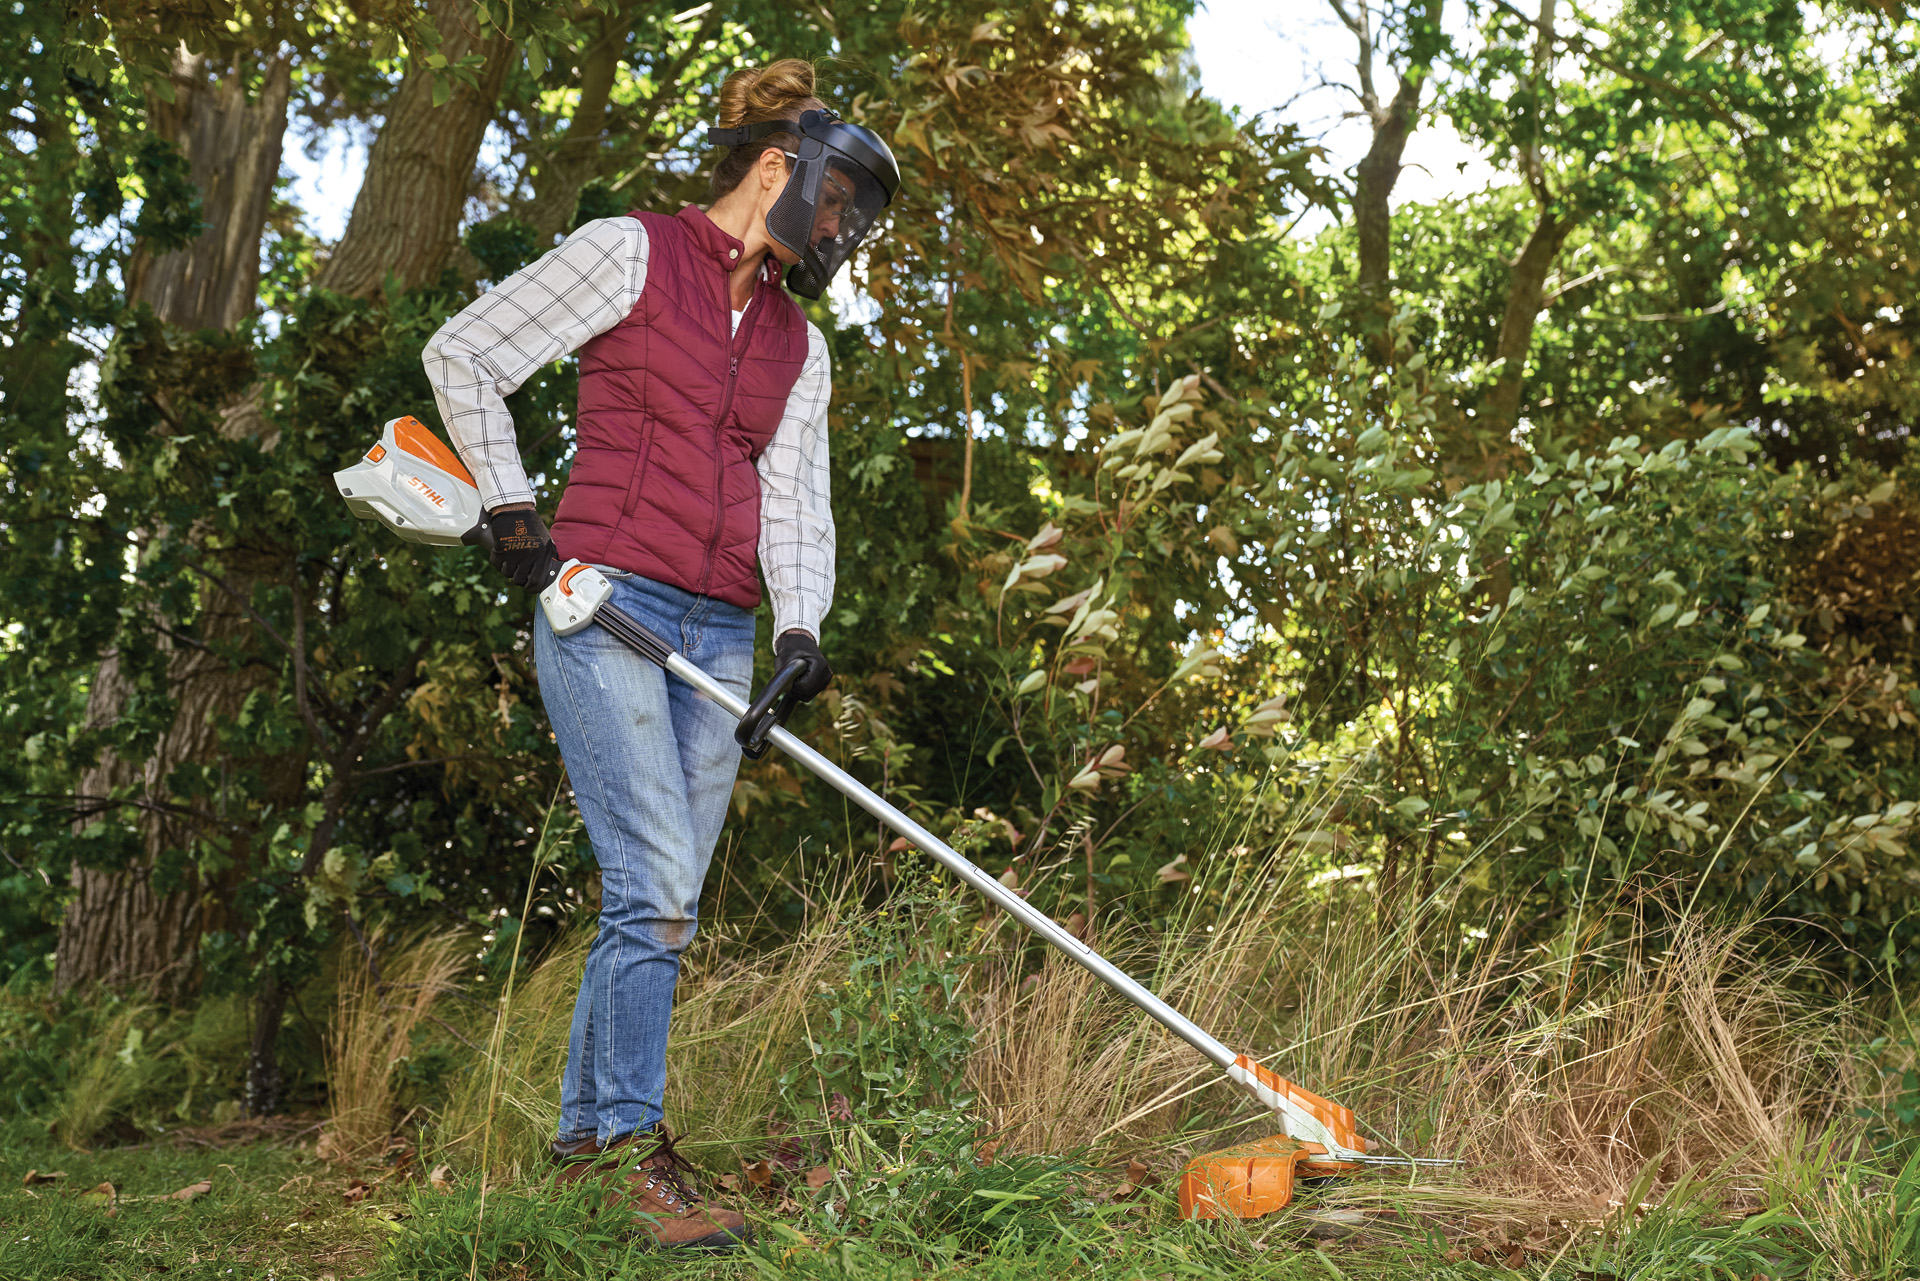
pixel 836 197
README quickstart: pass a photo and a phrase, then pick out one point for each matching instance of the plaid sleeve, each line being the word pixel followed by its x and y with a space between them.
pixel 796 512
pixel 540 313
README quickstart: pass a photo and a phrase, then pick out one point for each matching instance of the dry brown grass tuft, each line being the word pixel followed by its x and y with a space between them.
pixel 372 1035
pixel 739 1020
pixel 1612 1064
pixel 1558 1075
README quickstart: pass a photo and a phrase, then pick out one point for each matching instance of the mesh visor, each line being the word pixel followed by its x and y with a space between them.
pixel 829 205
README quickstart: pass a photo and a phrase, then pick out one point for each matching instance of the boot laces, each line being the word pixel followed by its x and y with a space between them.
pixel 666 1169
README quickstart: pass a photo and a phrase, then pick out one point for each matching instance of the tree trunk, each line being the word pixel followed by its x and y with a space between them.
pixel 265 1084
pixel 406 219
pixel 404 227
pixel 564 171
pixel 1393 123
pixel 1526 290
pixel 1373 186
pixel 120 929
pixel 232 145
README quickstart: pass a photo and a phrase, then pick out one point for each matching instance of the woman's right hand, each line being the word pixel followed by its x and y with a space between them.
pixel 522 548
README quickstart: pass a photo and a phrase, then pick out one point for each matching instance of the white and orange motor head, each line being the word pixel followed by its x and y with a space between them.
pixel 415 486
pixel 418 488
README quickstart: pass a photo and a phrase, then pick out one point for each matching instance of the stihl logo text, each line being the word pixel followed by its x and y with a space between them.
pixel 427 490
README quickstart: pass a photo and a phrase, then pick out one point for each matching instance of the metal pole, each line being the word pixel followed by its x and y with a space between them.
pixel 951 859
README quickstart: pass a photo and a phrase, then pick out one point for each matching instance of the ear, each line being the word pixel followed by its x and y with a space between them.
pixel 771 168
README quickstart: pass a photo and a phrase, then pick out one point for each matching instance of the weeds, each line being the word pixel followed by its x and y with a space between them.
pixel 381 1011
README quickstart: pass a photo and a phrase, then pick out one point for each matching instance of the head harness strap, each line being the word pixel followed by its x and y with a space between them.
pixel 744 134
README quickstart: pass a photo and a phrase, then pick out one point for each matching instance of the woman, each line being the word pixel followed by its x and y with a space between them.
pixel 702 447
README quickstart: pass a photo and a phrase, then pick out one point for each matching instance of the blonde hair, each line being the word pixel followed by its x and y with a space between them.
pixel 778 91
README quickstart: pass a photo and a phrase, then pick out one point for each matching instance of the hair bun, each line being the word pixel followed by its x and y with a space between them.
pixel 778 91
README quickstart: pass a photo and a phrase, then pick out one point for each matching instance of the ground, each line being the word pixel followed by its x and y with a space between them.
pixel 272 1208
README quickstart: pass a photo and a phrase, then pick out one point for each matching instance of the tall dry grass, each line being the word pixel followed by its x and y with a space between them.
pixel 1559 1074
pixel 739 1020
pixel 106 1074
pixel 1626 1057
pixel 382 1004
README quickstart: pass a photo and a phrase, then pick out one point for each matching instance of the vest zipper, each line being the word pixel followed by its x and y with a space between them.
pixel 737 348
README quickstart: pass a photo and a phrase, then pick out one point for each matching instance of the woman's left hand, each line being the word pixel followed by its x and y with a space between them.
pixel 799 645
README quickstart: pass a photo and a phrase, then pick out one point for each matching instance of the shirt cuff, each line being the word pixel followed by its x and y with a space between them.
pixel 796 611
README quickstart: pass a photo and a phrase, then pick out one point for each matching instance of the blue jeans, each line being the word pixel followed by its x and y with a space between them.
pixel 652 766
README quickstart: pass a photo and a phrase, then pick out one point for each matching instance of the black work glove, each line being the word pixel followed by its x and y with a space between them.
pixel 789 646
pixel 521 548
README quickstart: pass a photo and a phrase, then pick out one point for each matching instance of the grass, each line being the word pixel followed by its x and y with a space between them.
pixel 274 1209
pixel 1628 1100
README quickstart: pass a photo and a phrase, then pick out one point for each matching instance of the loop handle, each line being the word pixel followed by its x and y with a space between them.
pixel 771 709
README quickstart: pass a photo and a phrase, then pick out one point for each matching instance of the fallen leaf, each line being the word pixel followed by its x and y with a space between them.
pixel 759 1173
pixel 441 1178
pixel 787 1205
pixel 728 1182
pixel 357 1191
pixel 1516 1257
pixel 1170 873
pixel 819 1176
pixel 328 1148
pixel 1138 1177
pixel 191 1191
pixel 103 1195
pixel 34 1178
pixel 983 1155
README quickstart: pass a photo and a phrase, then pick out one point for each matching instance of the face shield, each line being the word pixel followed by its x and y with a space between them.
pixel 842 177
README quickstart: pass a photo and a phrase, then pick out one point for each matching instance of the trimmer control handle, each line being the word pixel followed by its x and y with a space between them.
pixel 775 704
pixel 481 536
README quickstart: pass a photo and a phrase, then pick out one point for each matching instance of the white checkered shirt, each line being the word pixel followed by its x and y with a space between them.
pixel 550 308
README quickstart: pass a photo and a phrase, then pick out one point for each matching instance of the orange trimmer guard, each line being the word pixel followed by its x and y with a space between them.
pixel 1253 1179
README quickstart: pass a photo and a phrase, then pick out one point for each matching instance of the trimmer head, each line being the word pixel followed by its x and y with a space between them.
pixel 1256 1178
pixel 1253 1179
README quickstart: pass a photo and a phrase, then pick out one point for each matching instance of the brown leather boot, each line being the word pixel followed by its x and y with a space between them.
pixel 652 1177
pixel 578 1159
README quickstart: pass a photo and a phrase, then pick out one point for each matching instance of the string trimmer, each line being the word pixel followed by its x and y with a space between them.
pixel 414 485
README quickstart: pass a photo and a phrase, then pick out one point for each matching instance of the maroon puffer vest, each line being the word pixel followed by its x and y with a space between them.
pixel 674 411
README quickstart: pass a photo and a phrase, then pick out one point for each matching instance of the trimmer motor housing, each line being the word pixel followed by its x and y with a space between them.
pixel 418 488
pixel 414 485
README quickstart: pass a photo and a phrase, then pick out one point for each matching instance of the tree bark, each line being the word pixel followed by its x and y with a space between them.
pixel 568 164
pixel 406 219
pixel 1526 291
pixel 1374 183
pixel 1393 123
pixel 120 928
pixel 232 144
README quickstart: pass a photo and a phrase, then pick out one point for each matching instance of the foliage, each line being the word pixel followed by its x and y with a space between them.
pixel 888 1044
